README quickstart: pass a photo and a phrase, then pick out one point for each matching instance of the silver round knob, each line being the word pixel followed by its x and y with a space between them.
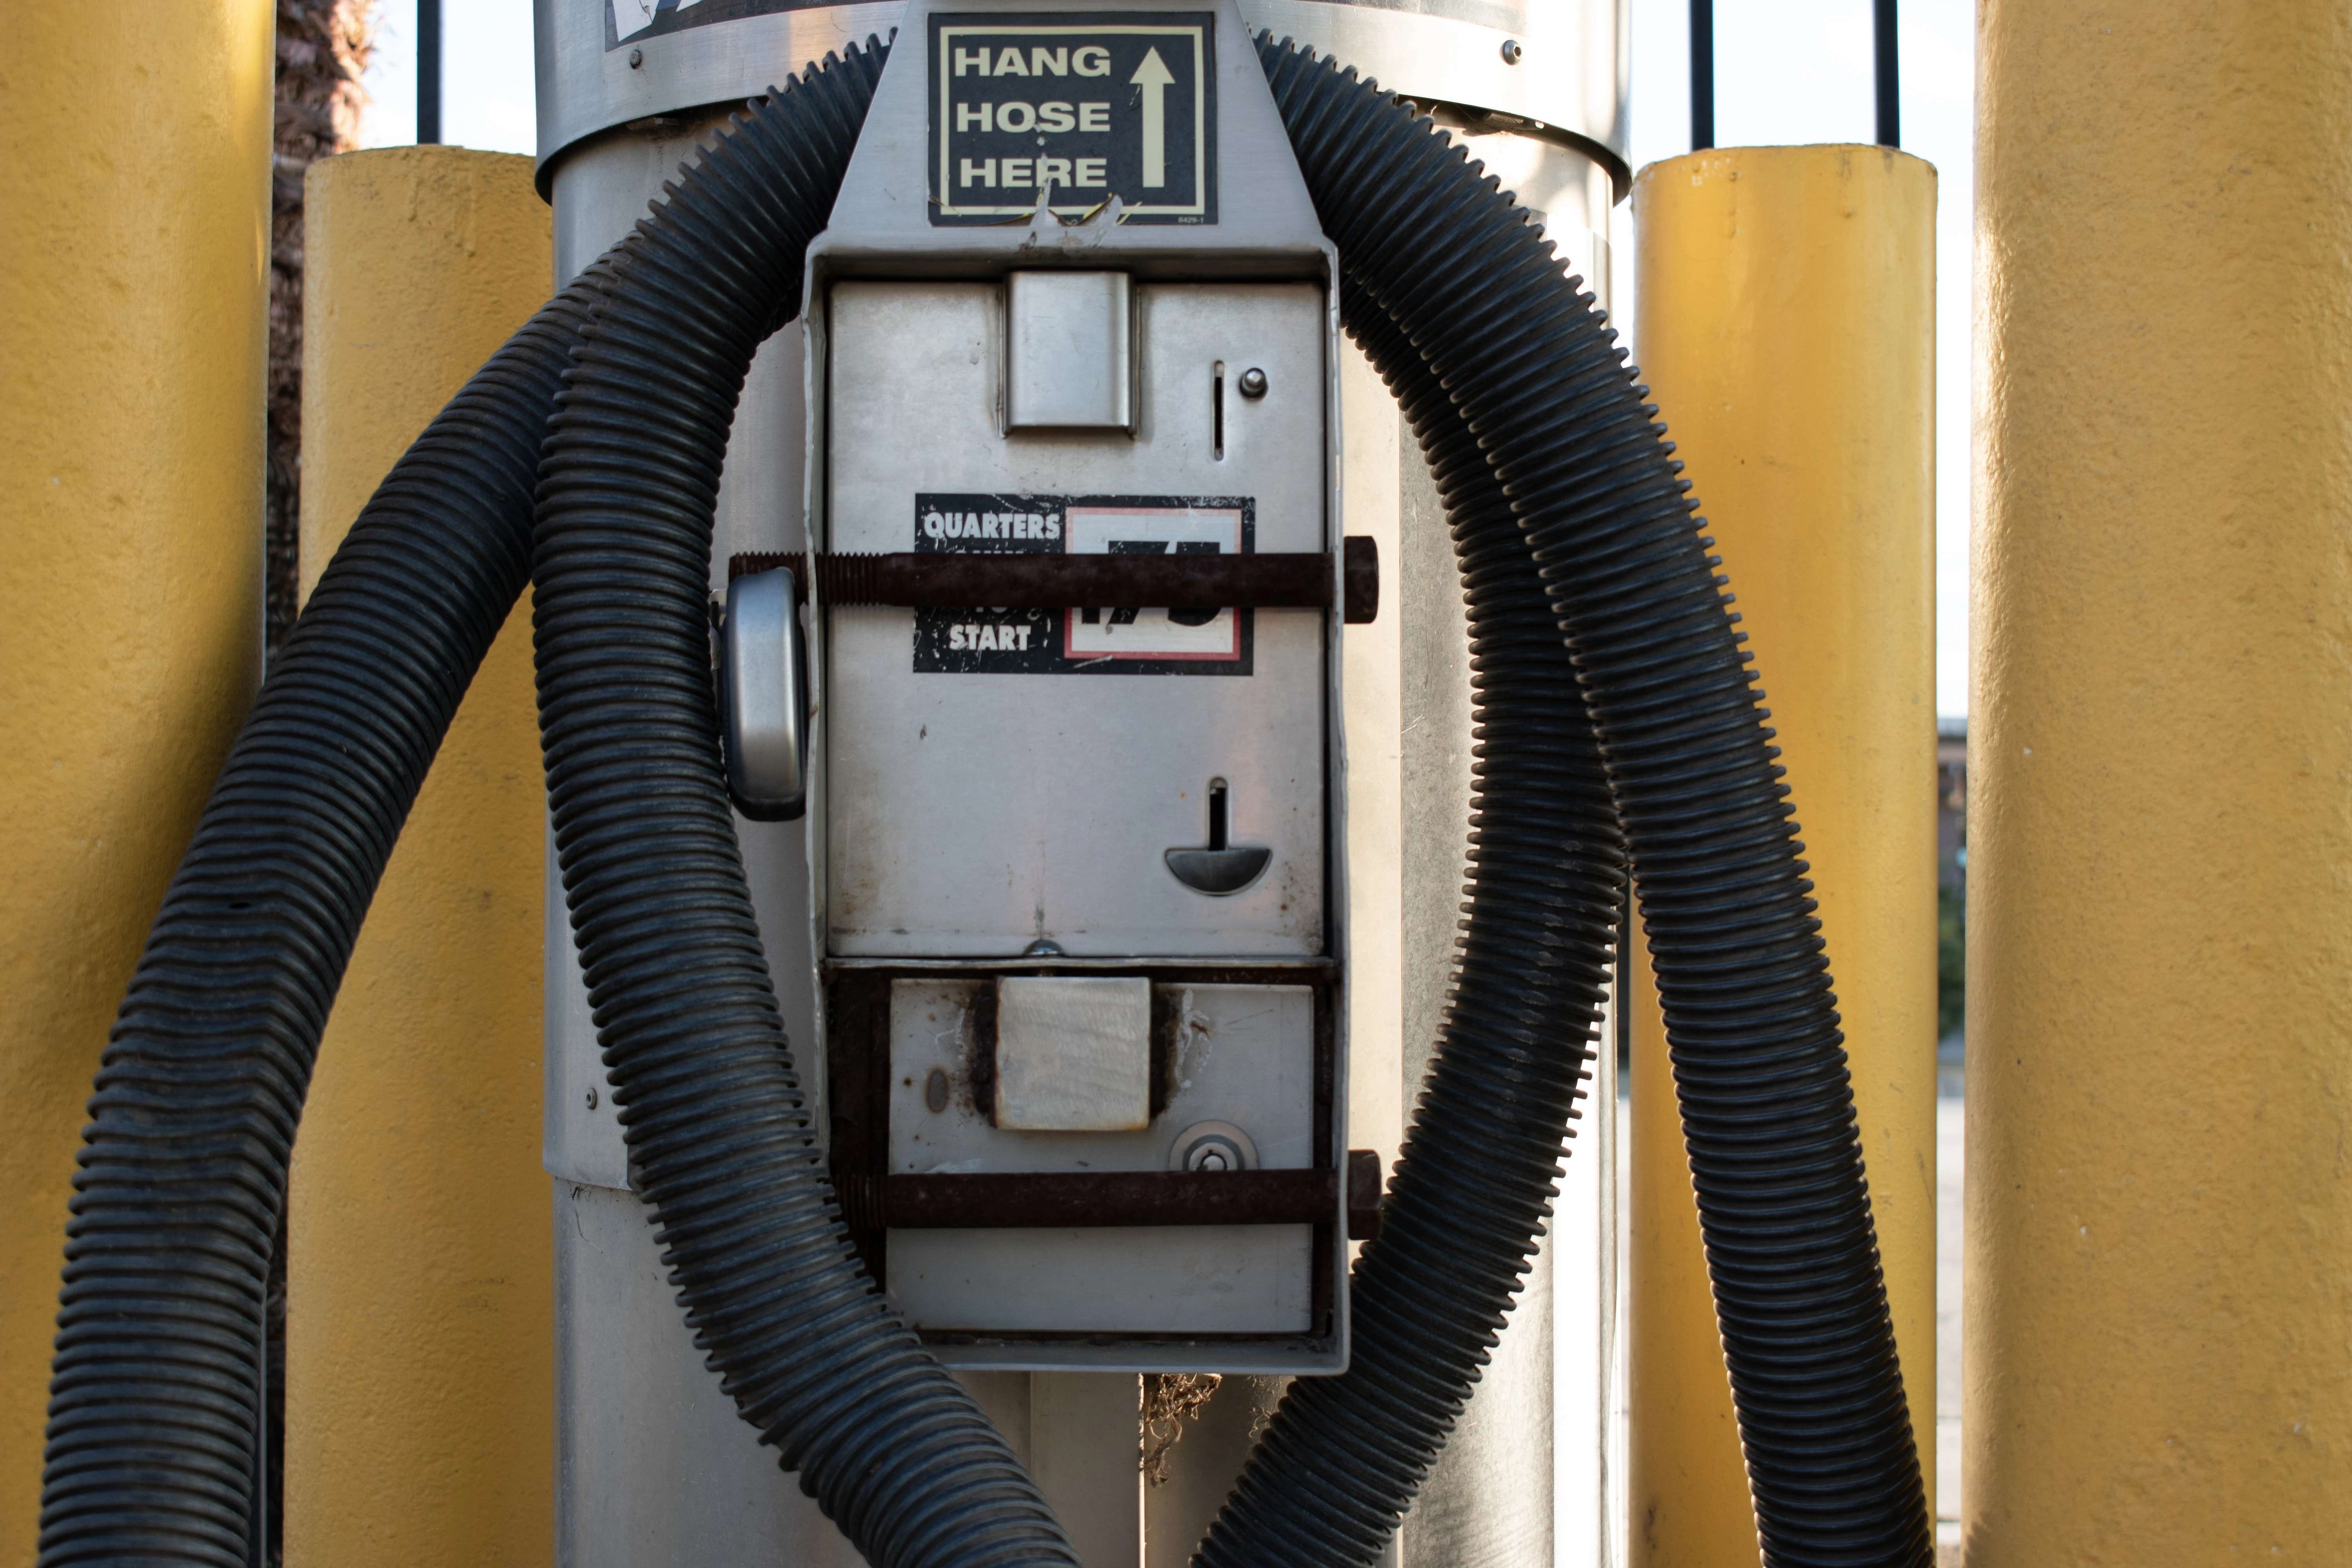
pixel 1252 384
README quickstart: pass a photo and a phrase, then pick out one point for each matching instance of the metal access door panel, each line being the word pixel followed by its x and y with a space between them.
pixel 973 812
pixel 1243 1057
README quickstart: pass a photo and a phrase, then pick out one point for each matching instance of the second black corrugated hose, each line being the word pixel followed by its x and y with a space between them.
pixel 1475 302
pixel 1344 1456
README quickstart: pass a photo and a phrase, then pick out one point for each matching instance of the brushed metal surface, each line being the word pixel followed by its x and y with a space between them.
pixel 1524 1476
pixel 973 815
pixel 1013 1283
pixel 1571 78
pixel 1244 1056
pixel 1572 74
pixel 1069 351
pixel 653 1466
pixel 585 88
pixel 1076 1433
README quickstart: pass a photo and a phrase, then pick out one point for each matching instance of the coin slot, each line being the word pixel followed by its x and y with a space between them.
pixel 1217 410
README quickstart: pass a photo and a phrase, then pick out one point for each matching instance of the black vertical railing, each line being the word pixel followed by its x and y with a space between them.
pixel 428 72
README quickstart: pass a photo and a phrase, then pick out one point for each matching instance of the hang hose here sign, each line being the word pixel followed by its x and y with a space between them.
pixel 1072 109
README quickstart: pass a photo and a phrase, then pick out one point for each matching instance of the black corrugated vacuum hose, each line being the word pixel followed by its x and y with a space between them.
pixel 721 1137
pixel 1475 302
pixel 1345 1455
pixel 1560 489
pixel 154 1390
pixel 155 1395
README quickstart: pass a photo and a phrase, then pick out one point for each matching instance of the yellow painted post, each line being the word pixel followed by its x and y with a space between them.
pixel 420 1309
pixel 2158 1366
pixel 1787 335
pixel 134 277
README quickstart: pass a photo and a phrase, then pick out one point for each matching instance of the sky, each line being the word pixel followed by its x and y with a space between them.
pixel 1787 71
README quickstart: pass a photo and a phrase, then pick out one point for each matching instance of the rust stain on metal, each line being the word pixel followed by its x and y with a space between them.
pixel 1054 1199
pixel 952 580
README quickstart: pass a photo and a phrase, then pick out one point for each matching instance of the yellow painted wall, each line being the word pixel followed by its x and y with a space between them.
pixel 2159 1365
pixel 134 255
pixel 1788 336
pixel 420 1386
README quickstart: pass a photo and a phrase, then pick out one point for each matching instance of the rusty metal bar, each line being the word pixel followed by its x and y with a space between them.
pixel 954 580
pixel 1029 1200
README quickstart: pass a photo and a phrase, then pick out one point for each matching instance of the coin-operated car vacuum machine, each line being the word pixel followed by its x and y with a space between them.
pixel 1045 715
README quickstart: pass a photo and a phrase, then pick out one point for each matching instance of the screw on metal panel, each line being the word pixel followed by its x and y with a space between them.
pixel 1210 1146
pixel 592 1100
pixel 1512 51
pixel 1252 384
pixel 637 58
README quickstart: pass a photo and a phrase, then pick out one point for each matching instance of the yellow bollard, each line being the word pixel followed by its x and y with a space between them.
pixel 1787 335
pixel 2160 1197
pixel 419 1367
pixel 134 278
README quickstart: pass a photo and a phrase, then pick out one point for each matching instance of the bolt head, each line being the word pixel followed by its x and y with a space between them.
pixel 1213 1152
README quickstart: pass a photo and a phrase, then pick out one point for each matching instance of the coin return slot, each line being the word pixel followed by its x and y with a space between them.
pixel 1222 866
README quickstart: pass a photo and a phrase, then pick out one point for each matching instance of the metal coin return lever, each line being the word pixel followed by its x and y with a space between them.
pixel 1222 868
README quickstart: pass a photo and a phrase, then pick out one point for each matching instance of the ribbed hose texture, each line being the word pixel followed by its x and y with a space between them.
pixel 1534 378
pixel 720 1136
pixel 154 1393
pixel 1344 1456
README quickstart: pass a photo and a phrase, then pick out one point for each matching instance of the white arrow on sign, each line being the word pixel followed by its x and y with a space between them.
pixel 1152 76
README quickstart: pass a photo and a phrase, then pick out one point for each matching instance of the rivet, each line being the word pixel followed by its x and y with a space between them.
pixel 637 58
pixel 1512 51
pixel 592 1100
